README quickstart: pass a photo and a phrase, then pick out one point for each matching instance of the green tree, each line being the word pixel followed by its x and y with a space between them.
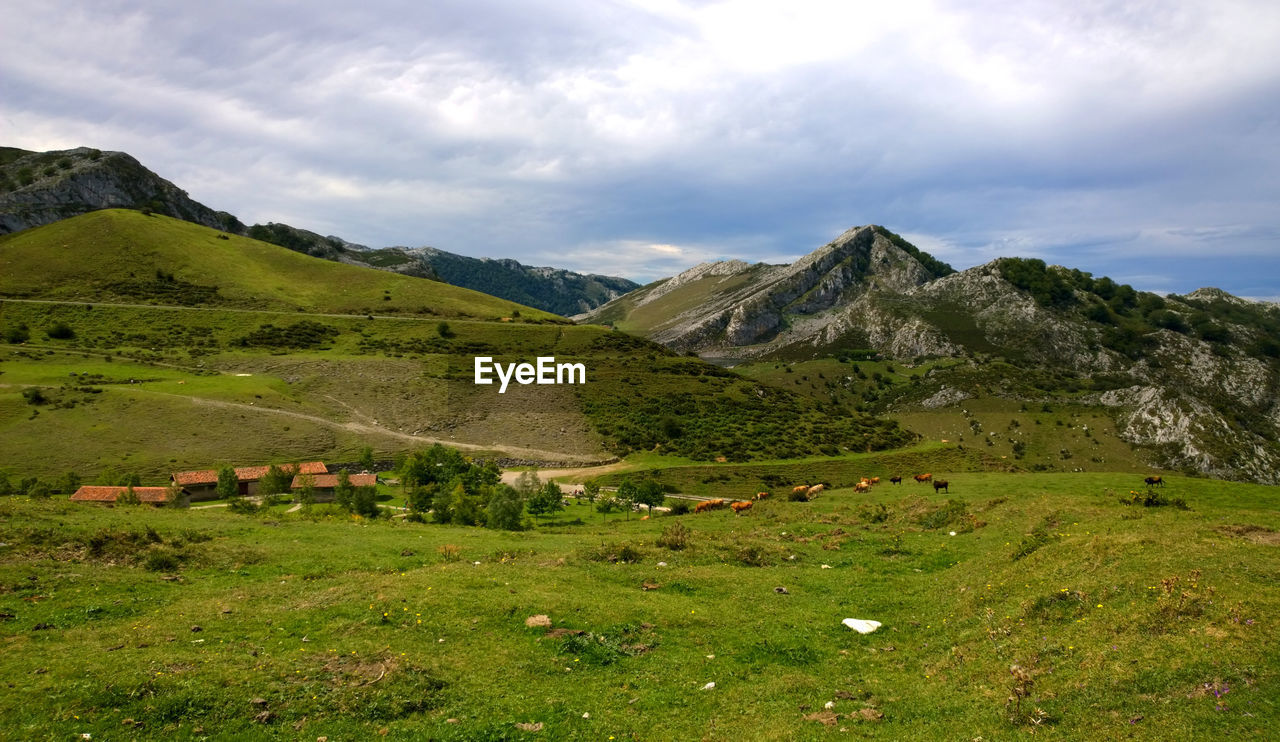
pixel 650 494
pixel 275 481
pixel 442 503
pixel 17 334
pixel 6 487
pixel 591 490
pixel 344 492
pixel 528 483
pixel 175 497
pixel 546 499
pixel 228 483
pixel 128 497
pixel 306 492
pixel 366 458
pixel 606 504
pixel 506 509
pixel 69 483
pixel 628 495
pixel 39 490
pixel 364 502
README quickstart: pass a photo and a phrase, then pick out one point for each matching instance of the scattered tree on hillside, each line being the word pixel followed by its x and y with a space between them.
pixel 344 491
pixel 228 483
pixel 305 494
pixel 591 490
pixel 546 499
pixel 650 494
pixel 607 504
pixel 128 497
pixel 366 458
pixel 69 483
pixel 505 509
pixel 628 493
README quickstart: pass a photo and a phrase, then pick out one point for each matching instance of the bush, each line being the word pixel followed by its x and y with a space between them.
pixel 674 537
pixel 60 331
pixel 680 507
pixel 17 334
pixel 161 561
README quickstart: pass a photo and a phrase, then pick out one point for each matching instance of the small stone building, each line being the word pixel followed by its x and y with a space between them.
pixel 203 485
pixel 324 485
pixel 104 494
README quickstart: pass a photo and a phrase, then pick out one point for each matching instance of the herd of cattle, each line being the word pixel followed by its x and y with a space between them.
pixel 808 492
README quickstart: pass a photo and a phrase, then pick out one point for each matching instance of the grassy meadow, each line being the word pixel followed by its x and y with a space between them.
pixel 1124 620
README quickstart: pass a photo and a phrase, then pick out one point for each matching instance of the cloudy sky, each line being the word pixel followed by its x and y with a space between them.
pixel 1139 140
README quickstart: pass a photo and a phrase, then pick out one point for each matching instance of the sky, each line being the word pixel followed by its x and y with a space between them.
pixel 1138 140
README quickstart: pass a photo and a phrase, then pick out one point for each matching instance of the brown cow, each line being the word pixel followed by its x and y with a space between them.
pixel 706 505
pixel 875 480
pixel 922 478
pixel 862 487
pixel 741 506
pixel 941 484
pixel 801 488
pixel 761 495
pixel 895 480
pixel 814 490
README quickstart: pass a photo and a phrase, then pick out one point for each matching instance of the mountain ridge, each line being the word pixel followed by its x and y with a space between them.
pixel 38 188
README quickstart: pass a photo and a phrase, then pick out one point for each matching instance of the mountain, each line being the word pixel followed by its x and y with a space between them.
pixel 1192 381
pixel 143 341
pixel 42 187
pixel 39 188
pixel 126 256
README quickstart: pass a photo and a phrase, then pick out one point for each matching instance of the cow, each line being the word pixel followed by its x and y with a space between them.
pixel 801 488
pixel 895 480
pixel 741 506
pixel 922 478
pixel 1154 481
pixel 862 487
pixel 875 480
pixel 761 495
pixel 706 505
pixel 941 484
pixel 814 490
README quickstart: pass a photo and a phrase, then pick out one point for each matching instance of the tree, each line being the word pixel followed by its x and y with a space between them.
pixel 627 495
pixel 6 487
pixel 364 502
pixel 128 497
pixel 366 458
pixel 274 481
pixel 17 334
pixel 39 490
pixel 344 492
pixel 130 479
pixel 606 504
pixel 650 494
pixel 228 483
pixel 306 492
pixel 546 499
pixel 174 496
pixel 506 508
pixel 591 490
pixel 528 483
pixel 69 483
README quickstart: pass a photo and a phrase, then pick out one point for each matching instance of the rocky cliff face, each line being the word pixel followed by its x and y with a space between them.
pixel 39 188
pixel 1194 380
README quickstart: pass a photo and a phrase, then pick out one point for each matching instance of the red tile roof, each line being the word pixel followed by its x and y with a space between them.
pixel 244 473
pixel 329 481
pixel 95 493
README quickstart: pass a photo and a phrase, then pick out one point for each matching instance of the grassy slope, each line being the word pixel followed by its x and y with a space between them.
pixel 345 629
pixel 74 259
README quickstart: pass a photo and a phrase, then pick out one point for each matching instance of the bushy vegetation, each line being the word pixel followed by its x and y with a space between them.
pixel 936 268
pixel 303 334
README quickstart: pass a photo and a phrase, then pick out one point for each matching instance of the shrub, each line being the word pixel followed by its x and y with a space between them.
pixel 60 331
pixel 674 537
pixel 161 561
pixel 753 556
pixel 450 552
pixel 17 334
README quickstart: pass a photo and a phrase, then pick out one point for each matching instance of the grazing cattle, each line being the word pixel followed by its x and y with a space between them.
pixel 801 488
pixel 741 506
pixel 895 480
pixel 1154 481
pixel 706 505
pixel 941 484
pixel 862 487
pixel 761 495
pixel 922 478
pixel 875 480
pixel 814 490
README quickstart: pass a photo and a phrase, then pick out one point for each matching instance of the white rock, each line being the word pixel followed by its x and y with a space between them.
pixel 709 686
pixel 953 533
pixel 826 566
pixel 829 705
pixel 662 564
pixel 861 625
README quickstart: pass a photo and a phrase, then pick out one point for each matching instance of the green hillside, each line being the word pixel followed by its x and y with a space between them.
pixel 118 255
pixel 1125 621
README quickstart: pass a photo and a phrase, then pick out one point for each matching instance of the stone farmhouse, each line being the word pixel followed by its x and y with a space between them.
pixel 203 485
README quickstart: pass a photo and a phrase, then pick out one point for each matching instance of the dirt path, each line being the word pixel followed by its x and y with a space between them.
pixel 368 429
pixel 577 475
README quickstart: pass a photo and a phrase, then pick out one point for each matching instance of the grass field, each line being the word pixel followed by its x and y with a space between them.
pixel 1128 621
